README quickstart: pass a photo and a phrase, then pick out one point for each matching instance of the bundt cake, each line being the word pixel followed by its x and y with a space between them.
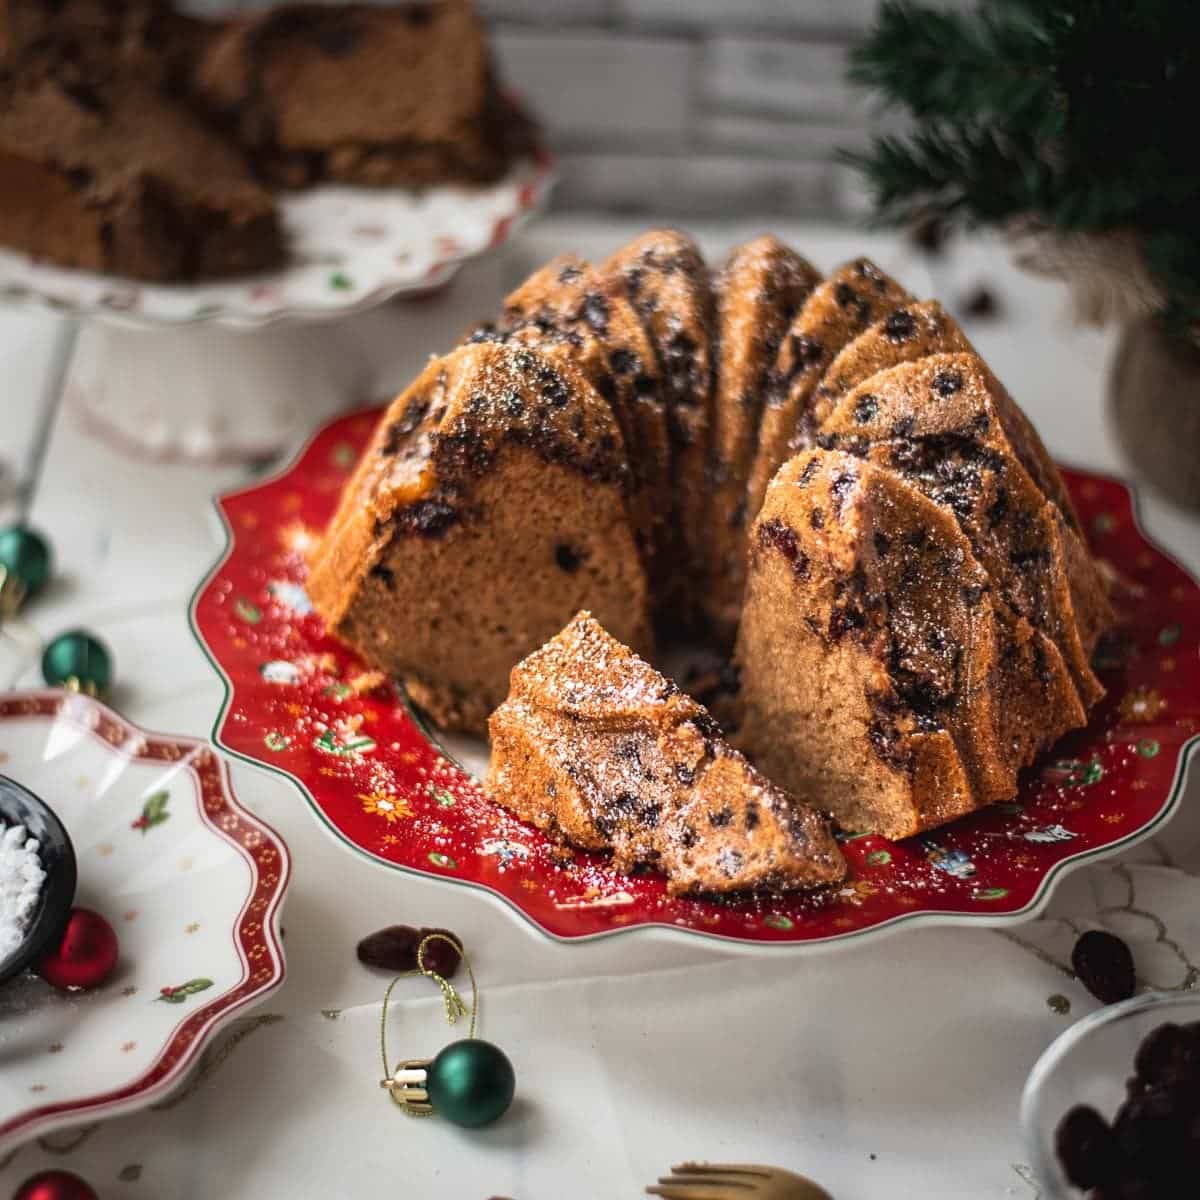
pixel 825 467
pixel 492 498
pixel 137 140
pixel 599 749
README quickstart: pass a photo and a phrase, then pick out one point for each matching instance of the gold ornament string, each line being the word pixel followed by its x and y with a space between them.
pixel 455 1007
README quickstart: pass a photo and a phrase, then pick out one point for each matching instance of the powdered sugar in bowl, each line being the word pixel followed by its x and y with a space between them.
pixel 37 877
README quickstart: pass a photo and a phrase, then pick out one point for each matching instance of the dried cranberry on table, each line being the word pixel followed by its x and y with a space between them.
pixel 395 949
pixel 1104 966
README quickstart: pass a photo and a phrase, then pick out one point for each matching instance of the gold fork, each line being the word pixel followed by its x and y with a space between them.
pixel 734 1181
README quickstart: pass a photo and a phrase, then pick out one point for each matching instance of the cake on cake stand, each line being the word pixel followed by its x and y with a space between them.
pixel 233 370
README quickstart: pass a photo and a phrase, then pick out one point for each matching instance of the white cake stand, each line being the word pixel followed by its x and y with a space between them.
pixel 233 371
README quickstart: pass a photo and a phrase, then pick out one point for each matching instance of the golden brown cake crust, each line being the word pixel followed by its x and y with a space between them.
pixel 598 748
pixel 937 423
pixel 846 303
pixel 757 291
pixel 666 281
pixel 867 650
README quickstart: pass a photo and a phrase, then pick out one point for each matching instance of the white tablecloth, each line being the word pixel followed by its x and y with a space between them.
pixel 888 1068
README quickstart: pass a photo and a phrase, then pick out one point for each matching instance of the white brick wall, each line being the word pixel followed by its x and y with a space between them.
pixel 693 107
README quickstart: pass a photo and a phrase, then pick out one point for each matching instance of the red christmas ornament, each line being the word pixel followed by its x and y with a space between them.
pixel 85 956
pixel 54 1185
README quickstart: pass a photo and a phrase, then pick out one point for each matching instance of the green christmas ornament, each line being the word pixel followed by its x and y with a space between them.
pixel 78 661
pixel 471 1082
pixel 25 564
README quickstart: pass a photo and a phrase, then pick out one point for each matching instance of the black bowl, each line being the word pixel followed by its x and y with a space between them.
pixel 19 806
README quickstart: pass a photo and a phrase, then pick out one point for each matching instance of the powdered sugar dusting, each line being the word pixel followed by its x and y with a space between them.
pixel 22 877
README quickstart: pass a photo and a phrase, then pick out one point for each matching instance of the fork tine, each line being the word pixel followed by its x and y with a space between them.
pixel 707 1168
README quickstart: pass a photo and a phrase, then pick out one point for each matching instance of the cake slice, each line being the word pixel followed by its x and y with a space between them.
pixel 665 279
pixel 835 313
pixel 594 746
pixel 490 506
pixel 112 175
pixel 940 423
pixel 757 291
pixel 569 310
pixel 877 669
pixel 399 95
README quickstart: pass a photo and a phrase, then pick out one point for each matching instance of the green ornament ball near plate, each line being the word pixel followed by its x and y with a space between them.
pixel 26 556
pixel 78 659
pixel 471 1083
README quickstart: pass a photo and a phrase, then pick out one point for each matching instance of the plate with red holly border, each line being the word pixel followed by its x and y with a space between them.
pixel 390 788
pixel 191 882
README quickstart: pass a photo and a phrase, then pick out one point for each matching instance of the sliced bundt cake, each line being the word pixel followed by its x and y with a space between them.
pixel 665 278
pixel 757 291
pixel 938 424
pixel 596 747
pixel 570 312
pixel 838 310
pixel 873 670
pixel 489 508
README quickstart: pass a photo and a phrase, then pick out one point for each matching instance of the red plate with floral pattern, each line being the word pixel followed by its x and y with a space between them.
pixel 193 885
pixel 301 703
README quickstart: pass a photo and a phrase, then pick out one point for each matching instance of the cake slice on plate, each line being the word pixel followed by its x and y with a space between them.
pixel 111 174
pixel 596 747
pixel 395 95
pixel 490 506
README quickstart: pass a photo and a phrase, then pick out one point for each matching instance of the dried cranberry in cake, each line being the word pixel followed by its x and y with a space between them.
pixel 491 504
pixel 955 447
pixel 667 283
pixel 599 749
pixel 757 291
pixel 853 297
pixel 893 685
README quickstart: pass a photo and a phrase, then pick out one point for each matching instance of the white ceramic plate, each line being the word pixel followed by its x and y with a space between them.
pixel 193 885
pixel 351 248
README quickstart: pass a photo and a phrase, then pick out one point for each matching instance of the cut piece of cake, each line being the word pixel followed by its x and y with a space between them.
pixel 596 747
pixel 938 423
pixel 665 279
pixel 875 670
pixel 490 506
pixel 398 95
pixel 115 176
pixel 571 311
pixel 757 291
pixel 836 312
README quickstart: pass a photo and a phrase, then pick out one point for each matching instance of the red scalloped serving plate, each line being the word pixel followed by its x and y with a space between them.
pixel 301 703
